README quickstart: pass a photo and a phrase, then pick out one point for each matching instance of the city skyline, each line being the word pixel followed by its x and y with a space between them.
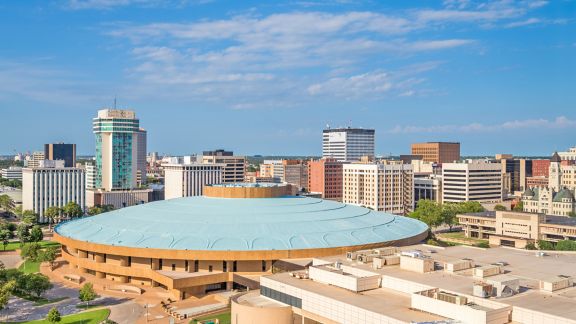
pixel 495 76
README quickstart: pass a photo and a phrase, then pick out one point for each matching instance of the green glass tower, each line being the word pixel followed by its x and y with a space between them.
pixel 118 135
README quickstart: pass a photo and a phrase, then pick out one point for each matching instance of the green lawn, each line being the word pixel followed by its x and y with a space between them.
pixel 460 236
pixel 29 267
pixel 12 246
pixel 456 235
pixel 92 317
pixel 225 318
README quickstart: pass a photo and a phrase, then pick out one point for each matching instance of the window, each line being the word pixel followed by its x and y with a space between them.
pixel 173 267
pixel 224 266
pixel 209 268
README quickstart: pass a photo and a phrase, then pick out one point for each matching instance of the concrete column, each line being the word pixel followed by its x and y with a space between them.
pixel 99 257
pixel 82 270
pixel 229 265
pixel 100 275
pixel 124 261
pixel 82 254
pixel 155 264
pixel 229 285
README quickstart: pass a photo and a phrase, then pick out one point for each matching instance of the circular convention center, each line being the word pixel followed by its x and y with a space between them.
pixel 194 245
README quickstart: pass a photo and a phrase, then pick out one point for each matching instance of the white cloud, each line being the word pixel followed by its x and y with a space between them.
pixel 529 21
pixel 514 125
pixel 111 4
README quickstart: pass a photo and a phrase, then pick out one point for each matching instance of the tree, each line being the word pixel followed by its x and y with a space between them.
pixel 449 212
pixel 49 255
pixel 23 233
pixel 500 207
pixel 52 213
pixel 572 214
pixel 6 290
pixel 6 202
pixel 37 283
pixel 53 315
pixel 72 209
pixel 5 236
pixel 30 251
pixel 29 217
pixel 545 245
pixel 519 207
pixel 87 293
pixel 95 210
pixel 17 211
pixel 470 207
pixel 531 246
pixel 566 245
pixel 428 212
pixel 36 234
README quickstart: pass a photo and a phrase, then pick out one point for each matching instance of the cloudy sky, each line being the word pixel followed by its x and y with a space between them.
pixel 265 77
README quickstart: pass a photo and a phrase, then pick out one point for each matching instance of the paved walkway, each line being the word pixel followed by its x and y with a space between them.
pixel 11 259
pixel 127 313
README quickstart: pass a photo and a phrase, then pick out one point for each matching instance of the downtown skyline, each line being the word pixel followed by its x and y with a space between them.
pixel 258 78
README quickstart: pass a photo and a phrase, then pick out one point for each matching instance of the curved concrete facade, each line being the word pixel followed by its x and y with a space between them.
pixel 246 311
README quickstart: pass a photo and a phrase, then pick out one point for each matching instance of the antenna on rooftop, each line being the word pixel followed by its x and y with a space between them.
pixel 114 102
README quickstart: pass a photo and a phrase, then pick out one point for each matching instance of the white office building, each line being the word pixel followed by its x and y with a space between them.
pixel 472 181
pixel 51 184
pixel 90 176
pixel 12 173
pixel 379 186
pixel 185 180
pixel 347 144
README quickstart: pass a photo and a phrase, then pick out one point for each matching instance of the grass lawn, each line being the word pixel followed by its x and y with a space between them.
pixel 30 267
pixel 12 246
pixel 460 236
pixel 92 317
pixel 225 318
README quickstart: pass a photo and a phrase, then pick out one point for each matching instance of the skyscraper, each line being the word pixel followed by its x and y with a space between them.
pixel 347 144
pixel 61 151
pixel 119 140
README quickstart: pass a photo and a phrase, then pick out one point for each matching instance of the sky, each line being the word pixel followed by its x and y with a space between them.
pixel 265 77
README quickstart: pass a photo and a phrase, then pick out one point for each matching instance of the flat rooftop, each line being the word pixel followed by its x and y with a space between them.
pixel 520 264
pixel 381 301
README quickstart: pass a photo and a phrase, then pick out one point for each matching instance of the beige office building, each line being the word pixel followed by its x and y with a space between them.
pixel 33 160
pixel 51 184
pixel 517 229
pixel 186 180
pixel 235 166
pixel 381 187
pixel 473 181
pixel 438 152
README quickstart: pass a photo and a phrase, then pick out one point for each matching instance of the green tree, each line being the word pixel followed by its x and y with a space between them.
pixel 545 245
pixel 5 236
pixel 17 211
pixel 6 290
pixel 49 255
pixel 72 209
pixel 428 212
pixel 30 251
pixel 449 212
pixel 572 214
pixel 531 246
pixel 95 210
pixel 483 245
pixel 6 202
pixel 52 213
pixel 29 217
pixel 566 245
pixel 500 207
pixel 470 207
pixel 23 233
pixel 53 315
pixel 36 234
pixel 519 207
pixel 37 284
pixel 87 293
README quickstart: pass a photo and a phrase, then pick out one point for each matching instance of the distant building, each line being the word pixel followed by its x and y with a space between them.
pixel 90 176
pixel 118 198
pixel 274 169
pixel 12 173
pixel 141 164
pixel 118 141
pixel 515 171
pixel 540 168
pixel 33 161
pixel 296 173
pixel 474 181
pixel 348 144
pixel 235 166
pixel 185 180
pixel 569 155
pixel 539 181
pixel 427 187
pixel 548 201
pixel 378 186
pixel 52 184
pixel 61 151
pixel 325 176
pixel 439 152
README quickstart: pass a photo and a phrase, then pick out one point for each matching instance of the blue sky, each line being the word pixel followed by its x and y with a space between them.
pixel 264 77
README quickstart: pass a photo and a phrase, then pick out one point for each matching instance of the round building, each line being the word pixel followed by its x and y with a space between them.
pixel 194 245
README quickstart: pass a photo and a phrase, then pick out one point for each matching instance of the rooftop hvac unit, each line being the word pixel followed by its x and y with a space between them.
pixel 351 256
pixel 363 258
pixel 451 298
pixel 338 265
pixel 412 254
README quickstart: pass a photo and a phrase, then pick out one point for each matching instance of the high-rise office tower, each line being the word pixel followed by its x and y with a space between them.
pixel 475 181
pixel 347 144
pixel 141 157
pixel 119 140
pixel 61 151
pixel 437 152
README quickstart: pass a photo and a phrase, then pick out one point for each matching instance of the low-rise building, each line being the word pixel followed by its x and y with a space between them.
pixel 186 180
pixel 235 166
pixel 12 173
pixel 118 198
pixel 427 187
pixel 52 184
pixel 325 176
pixel 472 181
pixel 517 229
